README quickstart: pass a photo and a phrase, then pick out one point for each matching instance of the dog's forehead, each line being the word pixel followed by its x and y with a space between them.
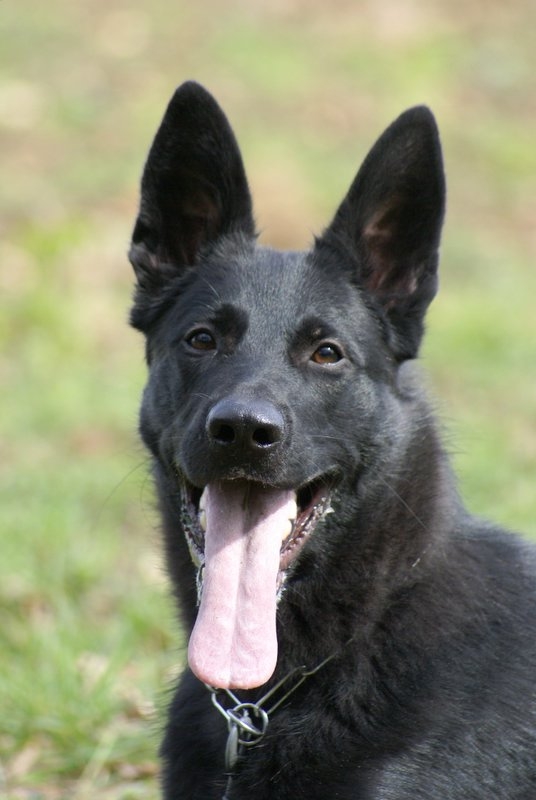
pixel 271 296
pixel 272 276
pixel 282 286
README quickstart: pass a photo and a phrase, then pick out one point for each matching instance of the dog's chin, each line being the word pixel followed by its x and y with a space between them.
pixel 312 503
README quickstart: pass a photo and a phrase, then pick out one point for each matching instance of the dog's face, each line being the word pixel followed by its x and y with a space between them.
pixel 253 364
pixel 258 358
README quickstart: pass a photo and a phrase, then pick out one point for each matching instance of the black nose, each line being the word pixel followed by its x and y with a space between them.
pixel 245 425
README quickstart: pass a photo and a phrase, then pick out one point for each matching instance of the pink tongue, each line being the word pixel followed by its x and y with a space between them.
pixel 234 642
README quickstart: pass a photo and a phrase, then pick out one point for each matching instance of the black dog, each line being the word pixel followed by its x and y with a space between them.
pixel 354 633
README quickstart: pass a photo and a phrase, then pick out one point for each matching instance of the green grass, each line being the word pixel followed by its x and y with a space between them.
pixel 87 633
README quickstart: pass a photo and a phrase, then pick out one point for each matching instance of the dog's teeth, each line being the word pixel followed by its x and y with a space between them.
pixel 202 501
pixel 203 519
pixel 294 512
pixel 287 529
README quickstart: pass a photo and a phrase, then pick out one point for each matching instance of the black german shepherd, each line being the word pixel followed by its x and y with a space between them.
pixel 353 632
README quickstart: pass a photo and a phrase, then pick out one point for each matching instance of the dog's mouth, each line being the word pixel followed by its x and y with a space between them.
pixel 244 538
pixel 312 501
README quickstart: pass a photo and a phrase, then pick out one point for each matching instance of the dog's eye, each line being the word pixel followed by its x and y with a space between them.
pixel 326 354
pixel 201 340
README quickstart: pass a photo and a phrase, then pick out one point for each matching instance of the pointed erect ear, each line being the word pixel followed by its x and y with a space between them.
pixel 390 222
pixel 194 188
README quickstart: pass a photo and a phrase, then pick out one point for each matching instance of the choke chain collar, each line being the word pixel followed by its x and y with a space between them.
pixel 248 722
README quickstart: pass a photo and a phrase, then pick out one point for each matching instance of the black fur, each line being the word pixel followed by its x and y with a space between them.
pixel 429 613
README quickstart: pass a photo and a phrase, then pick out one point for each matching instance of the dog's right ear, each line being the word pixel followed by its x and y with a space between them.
pixel 193 191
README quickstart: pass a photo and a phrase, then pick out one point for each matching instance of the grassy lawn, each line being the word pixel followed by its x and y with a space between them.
pixel 88 642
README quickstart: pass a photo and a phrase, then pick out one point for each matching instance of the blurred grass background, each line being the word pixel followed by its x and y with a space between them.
pixel 87 638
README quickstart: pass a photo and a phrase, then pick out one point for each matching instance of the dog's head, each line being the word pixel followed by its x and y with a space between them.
pixel 272 375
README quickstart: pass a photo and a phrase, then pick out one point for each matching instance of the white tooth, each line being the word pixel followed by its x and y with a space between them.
pixel 287 530
pixel 202 500
pixel 294 513
pixel 203 519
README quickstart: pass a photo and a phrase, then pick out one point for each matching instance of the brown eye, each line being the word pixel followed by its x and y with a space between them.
pixel 201 340
pixel 326 354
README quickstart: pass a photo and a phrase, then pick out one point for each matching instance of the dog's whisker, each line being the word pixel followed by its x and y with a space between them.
pixel 403 502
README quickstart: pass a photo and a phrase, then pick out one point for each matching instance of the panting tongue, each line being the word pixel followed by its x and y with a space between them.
pixel 234 643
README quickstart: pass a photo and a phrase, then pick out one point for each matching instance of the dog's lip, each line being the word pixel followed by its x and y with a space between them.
pixel 313 500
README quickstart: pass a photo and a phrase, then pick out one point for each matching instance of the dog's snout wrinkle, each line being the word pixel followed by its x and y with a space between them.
pixel 253 425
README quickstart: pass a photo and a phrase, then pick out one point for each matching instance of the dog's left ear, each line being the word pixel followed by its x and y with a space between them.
pixel 390 223
pixel 193 191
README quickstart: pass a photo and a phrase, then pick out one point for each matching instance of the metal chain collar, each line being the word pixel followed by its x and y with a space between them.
pixel 247 722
